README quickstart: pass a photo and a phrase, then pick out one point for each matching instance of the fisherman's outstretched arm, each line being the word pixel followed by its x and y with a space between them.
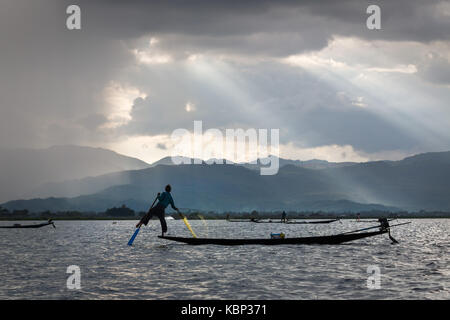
pixel 173 204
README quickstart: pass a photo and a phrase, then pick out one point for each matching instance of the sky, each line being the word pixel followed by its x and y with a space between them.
pixel 138 70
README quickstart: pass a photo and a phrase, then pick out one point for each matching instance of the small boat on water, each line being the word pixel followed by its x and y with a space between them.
pixel 300 222
pixel 286 222
pixel 242 220
pixel 332 239
pixel 28 226
pixel 370 221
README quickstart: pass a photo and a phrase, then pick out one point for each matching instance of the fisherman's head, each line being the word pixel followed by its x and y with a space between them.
pixel 168 188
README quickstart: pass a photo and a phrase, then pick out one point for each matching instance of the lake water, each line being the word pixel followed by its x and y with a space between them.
pixel 34 262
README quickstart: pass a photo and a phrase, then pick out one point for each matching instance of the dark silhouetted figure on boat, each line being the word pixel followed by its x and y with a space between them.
pixel 283 217
pixel 164 199
pixel 384 226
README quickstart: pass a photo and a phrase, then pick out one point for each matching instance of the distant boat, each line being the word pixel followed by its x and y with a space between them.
pixel 243 220
pixel 28 226
pixel 300 222
pixel 280 221
pixel 169 218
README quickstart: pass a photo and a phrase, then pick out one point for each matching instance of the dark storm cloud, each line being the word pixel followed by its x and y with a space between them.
pixel 52 79
pixel 403 20
pixel 268 28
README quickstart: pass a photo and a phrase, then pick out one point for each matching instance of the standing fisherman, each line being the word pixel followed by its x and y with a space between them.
pixel 164 200
pixel 384 226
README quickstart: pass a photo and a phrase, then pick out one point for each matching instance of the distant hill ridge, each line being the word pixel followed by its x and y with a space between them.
pixel 415 183
pixel 23 170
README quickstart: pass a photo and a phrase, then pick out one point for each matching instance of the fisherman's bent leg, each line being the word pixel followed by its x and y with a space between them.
pixel 163 223
pixel 146 218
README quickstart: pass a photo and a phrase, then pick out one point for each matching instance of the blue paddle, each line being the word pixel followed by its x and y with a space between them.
pixel 137 229
pixel 134 236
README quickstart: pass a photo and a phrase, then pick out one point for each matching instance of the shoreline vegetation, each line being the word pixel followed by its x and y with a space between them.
pixel 124 213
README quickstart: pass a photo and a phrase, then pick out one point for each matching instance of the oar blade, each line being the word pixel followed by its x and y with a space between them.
pixel 186 222
pixel 134 236
pixel 188 225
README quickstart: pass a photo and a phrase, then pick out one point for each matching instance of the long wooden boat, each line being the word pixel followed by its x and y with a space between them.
pixel 287 222
pixel 370 221
pixel 333 239
pixel 19 226
pixel 312 222
pixel 241 220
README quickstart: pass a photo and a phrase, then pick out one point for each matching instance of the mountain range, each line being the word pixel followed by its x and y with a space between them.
pixel 420 182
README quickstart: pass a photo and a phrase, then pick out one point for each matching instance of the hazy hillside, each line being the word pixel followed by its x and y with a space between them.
pixel 89 185
pixel 169 161
pixel 418 182
pixel 208 187
pixel 308 164
pixel 415 183
pixel 23 170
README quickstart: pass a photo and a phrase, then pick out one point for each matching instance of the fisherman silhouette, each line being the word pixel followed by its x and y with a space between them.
pixel 164 199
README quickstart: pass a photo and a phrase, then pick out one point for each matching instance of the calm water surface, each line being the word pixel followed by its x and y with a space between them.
pixel 34 262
